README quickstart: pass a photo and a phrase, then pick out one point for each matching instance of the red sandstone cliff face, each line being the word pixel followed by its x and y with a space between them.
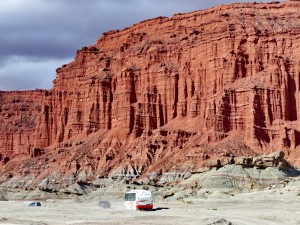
pixel 171 93
pixel 19 111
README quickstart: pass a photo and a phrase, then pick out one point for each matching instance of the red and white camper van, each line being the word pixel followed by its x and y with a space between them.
pixel 138 199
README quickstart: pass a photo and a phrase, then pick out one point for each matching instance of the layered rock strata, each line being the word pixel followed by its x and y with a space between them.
pixel 19 111
pixel 171 93
pixel 235 68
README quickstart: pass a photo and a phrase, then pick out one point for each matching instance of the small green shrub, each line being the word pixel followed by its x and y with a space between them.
pixel 2 198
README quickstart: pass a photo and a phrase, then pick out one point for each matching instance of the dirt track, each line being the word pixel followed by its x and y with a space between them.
pixel 252 208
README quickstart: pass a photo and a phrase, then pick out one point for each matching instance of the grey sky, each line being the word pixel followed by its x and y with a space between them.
pixel 37 36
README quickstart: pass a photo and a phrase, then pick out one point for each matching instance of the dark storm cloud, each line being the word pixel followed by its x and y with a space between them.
pixel 37 36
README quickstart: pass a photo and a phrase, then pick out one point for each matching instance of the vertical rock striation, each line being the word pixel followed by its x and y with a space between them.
pixel 19 111
pixel 152 94
pixel 235 67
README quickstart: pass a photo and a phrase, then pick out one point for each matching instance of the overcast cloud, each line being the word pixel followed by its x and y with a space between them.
pixel 37 36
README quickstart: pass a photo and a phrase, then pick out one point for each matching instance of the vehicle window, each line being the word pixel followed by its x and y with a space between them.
pixel 38 204
pixel 31 204
pixel 130 197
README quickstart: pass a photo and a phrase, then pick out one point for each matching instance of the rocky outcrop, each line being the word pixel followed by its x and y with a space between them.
pixel 228 181
pixel 169 94
pixel 275 159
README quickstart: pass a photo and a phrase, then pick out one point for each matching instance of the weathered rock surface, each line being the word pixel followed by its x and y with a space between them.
pixel 167 94
pixel 229 180
pixel 275 159
pixel 18 117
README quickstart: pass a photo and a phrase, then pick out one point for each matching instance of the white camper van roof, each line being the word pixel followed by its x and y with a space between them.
pixel 139 191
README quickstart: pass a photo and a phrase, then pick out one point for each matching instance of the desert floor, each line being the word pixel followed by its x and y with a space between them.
pixel 264 207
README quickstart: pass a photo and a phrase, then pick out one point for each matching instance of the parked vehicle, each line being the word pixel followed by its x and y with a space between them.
pixel 138 199
pixel 104 204
pixel 34 204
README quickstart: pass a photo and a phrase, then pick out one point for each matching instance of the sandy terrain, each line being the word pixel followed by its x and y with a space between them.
pixel 265 207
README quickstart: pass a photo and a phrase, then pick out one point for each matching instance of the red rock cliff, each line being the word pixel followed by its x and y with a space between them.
pixel 19 111
pixel 177 91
